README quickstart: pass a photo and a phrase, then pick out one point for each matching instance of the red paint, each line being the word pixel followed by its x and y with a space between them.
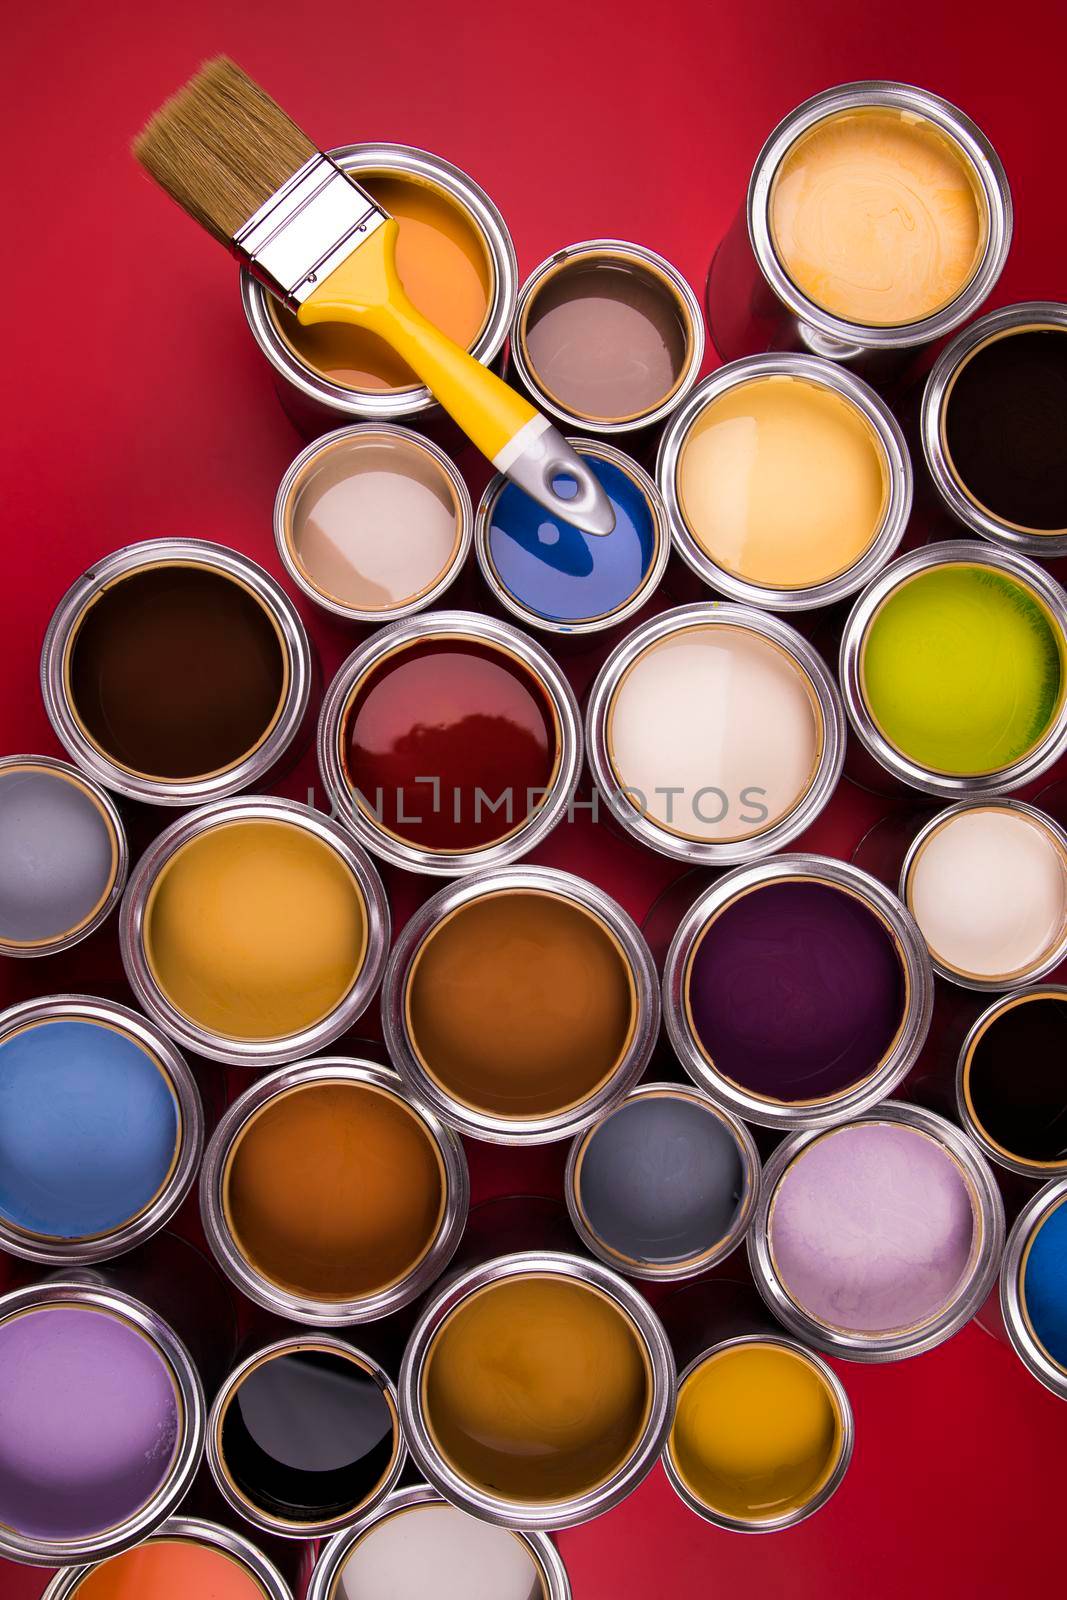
pixel 440 733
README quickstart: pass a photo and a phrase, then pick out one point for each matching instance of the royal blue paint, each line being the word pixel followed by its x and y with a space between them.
pixel 1045 1284
pixel 88 1128
pixel 562 574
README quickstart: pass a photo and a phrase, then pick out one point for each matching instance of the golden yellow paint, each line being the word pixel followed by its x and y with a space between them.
pixel 757 1433
pixel 255 930
pixel 782 482
pixel 878 217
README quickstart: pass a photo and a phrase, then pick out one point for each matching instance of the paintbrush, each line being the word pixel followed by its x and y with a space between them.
pixel 239 166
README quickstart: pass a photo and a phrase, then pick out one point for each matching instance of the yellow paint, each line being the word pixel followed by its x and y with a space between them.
pixel 878 217
pixel 757 1432
pixel 782 482
pixel 255 930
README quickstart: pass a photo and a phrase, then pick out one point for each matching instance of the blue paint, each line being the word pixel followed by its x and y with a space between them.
pixel 88 1128
pixel 562 574
pixel 1045 1284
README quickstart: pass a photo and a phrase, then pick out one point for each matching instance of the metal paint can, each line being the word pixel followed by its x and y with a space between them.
pixel 233 1547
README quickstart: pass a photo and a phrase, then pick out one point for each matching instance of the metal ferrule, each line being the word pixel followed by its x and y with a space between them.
pixel 971 1293
pixel 191 1530
pixel 543 1515
pixel 1024 1341
pixel 891 446
pixel 995 1152
pixel 331 1562
pixel 485 1125
pixel 950 786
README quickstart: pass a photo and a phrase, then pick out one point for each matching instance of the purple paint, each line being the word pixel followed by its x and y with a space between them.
pixel 872 1228
pixel 796 990
pixel 88 1422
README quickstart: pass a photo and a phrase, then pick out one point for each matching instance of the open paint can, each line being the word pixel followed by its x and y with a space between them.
pixel 607 338
pixel 1033 1287
pixel 449 742
pixel 457 263
pixel 304 1437
pixel 103 1423
pixel 787 482
pixel 184 1559
pixel 537 1390
pixel 254 931
pixel 1011 1090
pixel 415 1544
pixel 797 991
pixel 992 427
pixel 176 671
pixel 953 667
pixel 879 1238
pixel 878 218
pixel 520 1003
pixel 328 1197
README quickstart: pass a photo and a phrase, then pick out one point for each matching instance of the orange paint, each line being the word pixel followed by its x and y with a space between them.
pixel 170 1569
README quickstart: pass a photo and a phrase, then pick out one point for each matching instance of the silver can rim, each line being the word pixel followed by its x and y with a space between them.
pixel 545 1515
pixel 484 630
pixel 332 1558
pixel 67 769
pixel 589 250
pixel 396 404
pixel 974 517
pixel 253 1052
pixel 487 1126
pixel 789 1519
pixel 78 1252
pixel 890 441
pixel 590 449
pixel 950 121
pixel 1024 1341
pixel 119 564
pixel 64 1586
pixel 245 1507
pixel 829 1110
pixel 823 689
pixel 949 786
pixel 690 1266
pixel 464 517
pixel 192 1415
pixel 1041 1171
pixel 974 1290
pixel 322 1313
pixel 1050 826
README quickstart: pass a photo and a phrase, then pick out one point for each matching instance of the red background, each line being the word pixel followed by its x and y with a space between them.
pixel 135 406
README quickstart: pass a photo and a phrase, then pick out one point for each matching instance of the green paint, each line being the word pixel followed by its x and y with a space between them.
pixel 963 669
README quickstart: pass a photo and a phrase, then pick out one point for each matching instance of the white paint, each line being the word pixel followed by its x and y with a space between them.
pixel 434 1552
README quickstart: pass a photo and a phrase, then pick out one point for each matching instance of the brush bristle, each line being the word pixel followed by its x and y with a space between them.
pixel 221 147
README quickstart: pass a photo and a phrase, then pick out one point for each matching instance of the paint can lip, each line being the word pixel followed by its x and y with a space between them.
pixel 889 439
pixel 974 517
pixel 990 1149
pixel 285 1303
pixel 69 1290
pixel 196 1530
pixel 485 1125
pixel 546 1515
pixel 1055 954
pixel 589 252
pixel 247 1508
pixel 293 479
pixel 394 405
pixel 117 1241
pixel 970 1295
pixel 948 553
pixel 846 1443
pixel 145 555
pixel 690 1266
pixel 914 958
pixel 190 1034
pixel 482 630
pixel 1024 1342
pixel 113 822
pixel 332 1558
pixel 833 336
pixel 823 689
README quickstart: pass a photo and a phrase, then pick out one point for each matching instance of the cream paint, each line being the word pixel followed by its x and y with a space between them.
pixel 436 1551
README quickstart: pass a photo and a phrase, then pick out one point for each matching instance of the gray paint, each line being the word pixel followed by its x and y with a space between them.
pixel 56 855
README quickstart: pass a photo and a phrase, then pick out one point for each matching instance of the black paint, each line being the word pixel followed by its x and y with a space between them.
pixel 1018 1080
